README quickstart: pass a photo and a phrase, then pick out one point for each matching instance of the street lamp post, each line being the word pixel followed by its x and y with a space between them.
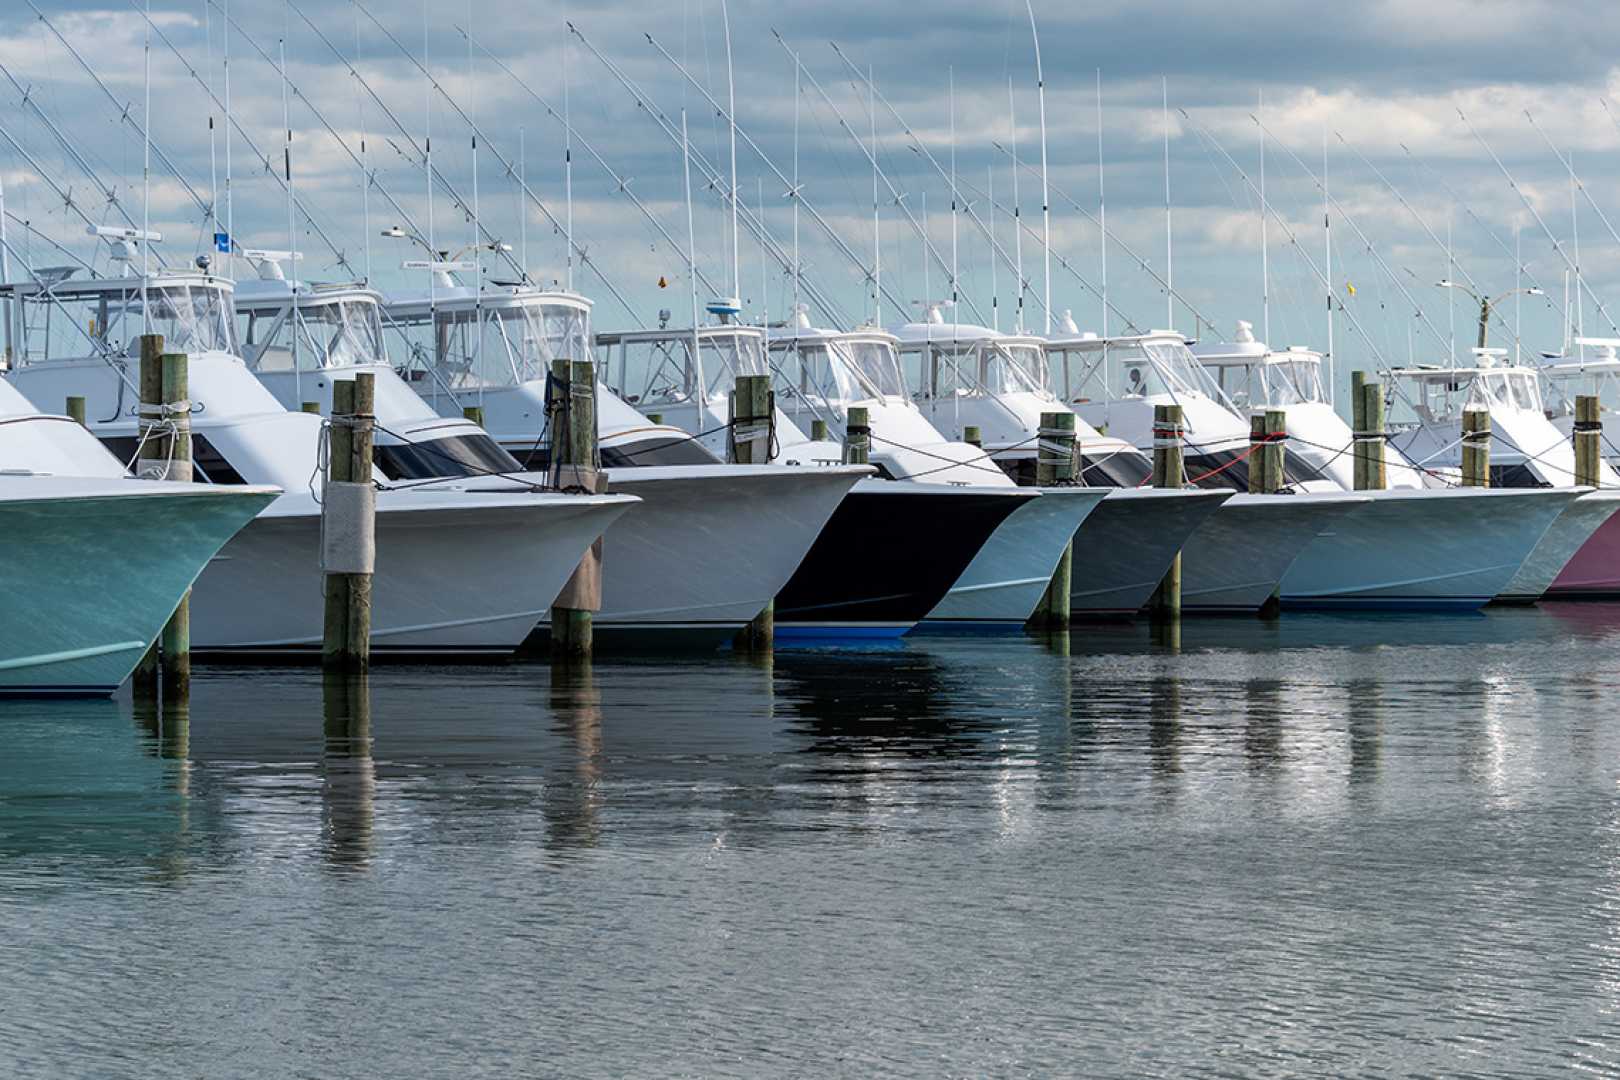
pixel 1485 305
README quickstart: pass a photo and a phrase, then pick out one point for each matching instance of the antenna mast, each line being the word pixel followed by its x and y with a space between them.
pixel 951 76
pixel 877 236
pixel 691 259
pixel 1018 229
pixel 990 188
pixel 292 232
pixel 360 103
pixel 1102 212
pixel 798 93
pixel 146 175
pixel 1327 241
pixel 731 124
pixel 1169 231
pixel 1265 267
pixel 1046 212
pixel 230 205
pixel 568 171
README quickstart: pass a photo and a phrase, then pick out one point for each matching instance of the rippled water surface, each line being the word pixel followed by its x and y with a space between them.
pixel 1322 846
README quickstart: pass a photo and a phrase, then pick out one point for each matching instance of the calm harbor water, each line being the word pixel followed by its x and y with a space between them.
pixel 1321 845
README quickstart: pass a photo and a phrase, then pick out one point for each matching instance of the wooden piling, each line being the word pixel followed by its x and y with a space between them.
pixel 1358 426
pixel 475 413
pixel 1588 437
pixel 751 405
pixel 752 408
pixel 655 417
pixel 311 407
pixel 75 410
pixel 149 465
pixel 818 431
pixel 176 387
pixel 971 436
pixel 349 528
pixel 574 463
pixel 1054 466
pixel 857 437
pixel 1276 440
pixel 1476 448
pixel 1167 473
pixel 1257 453
pixel 1370 444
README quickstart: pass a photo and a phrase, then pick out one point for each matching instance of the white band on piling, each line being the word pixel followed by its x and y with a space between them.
pixel 751 431
pixel 348 543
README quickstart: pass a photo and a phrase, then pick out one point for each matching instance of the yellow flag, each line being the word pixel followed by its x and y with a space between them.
pixel 1349 288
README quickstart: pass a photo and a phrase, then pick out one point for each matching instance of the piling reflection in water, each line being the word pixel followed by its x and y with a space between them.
pixel 572 805
pixel 348 774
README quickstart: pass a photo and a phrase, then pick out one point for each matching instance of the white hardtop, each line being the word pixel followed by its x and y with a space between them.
pixel 415 304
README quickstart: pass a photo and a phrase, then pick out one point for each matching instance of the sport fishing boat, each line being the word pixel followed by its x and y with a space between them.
pixel 95 560
pixel 1254 376
pixel 966 375
pixel 1527 450
pixel 443 583
pixel 1119 381
pixel 821 374
pixel 710 545
pixel 684 376
pixel 1593 571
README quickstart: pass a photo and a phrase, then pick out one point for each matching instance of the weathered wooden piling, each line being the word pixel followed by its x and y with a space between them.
pixel 575 468
pixel 1476 448
pixel 1054 466
pixel 311 407
pixel 1358 428
pixel 1276 440
pixel 753 407
pixel 1588 438
pixel 1257 453
pixel 655 417
pixel 818 430
pixel 1167 473
pixel 144 679
pixel 971 436
pixel 857 437
pixel 176 406
pixel 75 410
pixel 475 413
pixel 348 528
pixel 1370 439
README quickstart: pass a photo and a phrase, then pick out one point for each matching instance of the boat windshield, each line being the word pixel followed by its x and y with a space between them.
pixel 331 333
pixel 1293 382
pixel 192 318
pixel 944 369
pixel 508 344
pixel 1135 369
pixel 661 369
pixel 1505 389
pixel 874 365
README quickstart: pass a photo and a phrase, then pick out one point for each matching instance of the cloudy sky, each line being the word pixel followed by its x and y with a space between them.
pixel 1376 91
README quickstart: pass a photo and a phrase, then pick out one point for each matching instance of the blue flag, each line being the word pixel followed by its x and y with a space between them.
pixel 222 242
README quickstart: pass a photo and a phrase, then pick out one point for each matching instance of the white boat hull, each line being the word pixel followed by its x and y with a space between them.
pixel 90 579
pixel 708 547
pixel 452 576
pixel 1580 519
pixel 1125 546
pixel 1456 548
pixel 1235 560
pixel 1009 575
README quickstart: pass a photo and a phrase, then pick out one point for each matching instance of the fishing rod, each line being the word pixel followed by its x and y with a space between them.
pixel 920 229
pixel 1525 199
pixel 264 159
pixel 713 176
pixel 832 233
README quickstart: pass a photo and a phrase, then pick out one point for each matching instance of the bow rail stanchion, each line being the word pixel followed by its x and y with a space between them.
pixel 575 467
pixel 348 525
pixel 1588 439
pixel 1476 448
pixel 753 408
pixel 1054 467
pixel 1168 470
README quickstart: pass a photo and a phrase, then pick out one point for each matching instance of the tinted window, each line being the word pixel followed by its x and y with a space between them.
pixel 457 455
pixel 657 450
pixel 208 464
pixel 1124 469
